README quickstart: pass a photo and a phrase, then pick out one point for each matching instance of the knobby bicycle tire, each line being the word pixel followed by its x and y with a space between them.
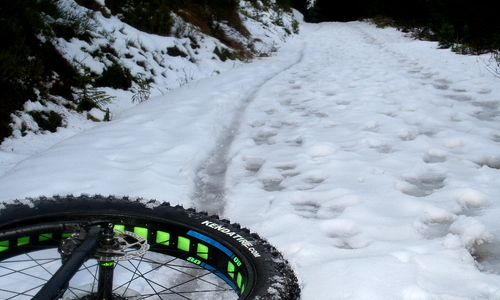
pixel 247 265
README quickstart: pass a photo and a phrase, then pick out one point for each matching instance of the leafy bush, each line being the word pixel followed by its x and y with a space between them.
pixel 115 76
pixel 93 5
pixel 143 89
pixel 75 25
pixel 151 16
pixel 90 97
pixel 46 120
pixel 295 26
pixel 28 63
pixel 175 51
pixel 224 54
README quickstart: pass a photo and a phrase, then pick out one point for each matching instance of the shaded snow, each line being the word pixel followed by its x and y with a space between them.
pixel 368 158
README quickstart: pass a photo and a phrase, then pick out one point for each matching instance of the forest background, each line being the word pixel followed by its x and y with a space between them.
pixel 469 27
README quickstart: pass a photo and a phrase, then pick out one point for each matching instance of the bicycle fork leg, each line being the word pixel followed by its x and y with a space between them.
pixel 106 268
pixel 105 283
pixel 57 285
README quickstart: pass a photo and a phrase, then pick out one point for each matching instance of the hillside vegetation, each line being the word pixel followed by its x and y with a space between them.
pixel 60 56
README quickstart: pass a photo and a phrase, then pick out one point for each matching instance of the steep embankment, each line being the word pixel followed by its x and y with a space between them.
pixel 62 56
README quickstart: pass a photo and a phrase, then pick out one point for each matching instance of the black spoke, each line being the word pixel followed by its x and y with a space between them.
pixel 132 267
pixel 133 273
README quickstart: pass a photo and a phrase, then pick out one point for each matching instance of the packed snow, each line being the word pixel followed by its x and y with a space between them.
pixel 369 159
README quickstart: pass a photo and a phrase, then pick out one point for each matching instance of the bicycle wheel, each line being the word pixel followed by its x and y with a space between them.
pixel 155 251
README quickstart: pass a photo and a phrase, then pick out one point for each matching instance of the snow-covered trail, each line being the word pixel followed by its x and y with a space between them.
pixel 370 163
pixel 210 188
pixel 369 159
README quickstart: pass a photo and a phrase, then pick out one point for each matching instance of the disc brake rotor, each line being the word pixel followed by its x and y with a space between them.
pixel 125 245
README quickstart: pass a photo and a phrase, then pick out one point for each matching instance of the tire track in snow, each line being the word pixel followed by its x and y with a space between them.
pixel 209 186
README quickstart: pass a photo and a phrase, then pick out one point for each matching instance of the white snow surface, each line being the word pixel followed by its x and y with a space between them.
pixel 369 159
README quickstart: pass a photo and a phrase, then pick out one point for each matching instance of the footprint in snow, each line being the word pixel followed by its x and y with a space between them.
pixel 270 111
pixel 307 209
pixel 256 123
pixel 324 209
pixel 272 184
pixel 320 114
pixel 321 150
pixel 495 136
pixel 287 169
pixel 434 155
pixel 271 179
pixel 283 176
pixel 278 124
pixel 253 164
pixel 285 166
pixel 484 91
pixel 429 75
pixel 462 227
pixel 435 223
pixel 344 234
pixel 442 84
pixel 343 102
pixel 422 185
pixel 407 134
pixel 471 201
pixel 339 228
pixel 488 161
pixel 461 98
pixel 295 142
pixel 307 180
pixel 490 110
pixel 371 126
pixel 379 146
pixel 438 223
pixel 264 137
pixel 488 256
pixel 286 102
